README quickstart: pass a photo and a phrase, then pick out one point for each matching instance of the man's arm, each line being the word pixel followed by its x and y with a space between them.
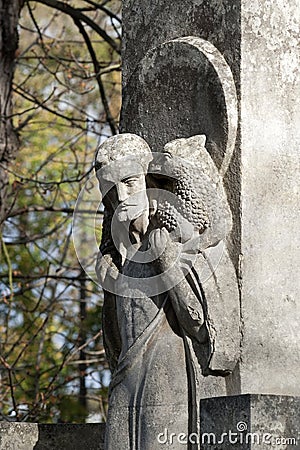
pixel 185 294
pixel 106 272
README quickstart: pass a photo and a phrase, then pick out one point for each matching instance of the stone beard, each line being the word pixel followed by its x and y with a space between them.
pixel 161 344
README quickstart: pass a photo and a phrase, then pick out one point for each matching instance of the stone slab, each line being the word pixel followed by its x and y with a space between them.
pixel 243 422
pixel 251 422
pixel 33 436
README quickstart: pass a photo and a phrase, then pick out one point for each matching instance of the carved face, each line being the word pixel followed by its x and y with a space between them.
pixel 124 186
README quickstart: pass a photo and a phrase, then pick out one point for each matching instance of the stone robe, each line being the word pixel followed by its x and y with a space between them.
pixel 156 383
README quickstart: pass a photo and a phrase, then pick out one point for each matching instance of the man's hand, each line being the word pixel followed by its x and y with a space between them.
pixel 106 270
pixel 170 253
pixel 159 241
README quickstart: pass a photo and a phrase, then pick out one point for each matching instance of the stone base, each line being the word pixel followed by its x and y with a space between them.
pixel 33 436
pixel 250 421
pixel 242 422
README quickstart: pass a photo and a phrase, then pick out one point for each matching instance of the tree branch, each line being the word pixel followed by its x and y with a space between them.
pixel 77 15
pixel 50 277
pixel 105 10
pixel 28 209
pixel 98 76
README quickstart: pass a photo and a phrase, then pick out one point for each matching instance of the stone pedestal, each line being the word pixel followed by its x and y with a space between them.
pixel 247 422
pixel 242 422
pixel 34 436
pixel 166 96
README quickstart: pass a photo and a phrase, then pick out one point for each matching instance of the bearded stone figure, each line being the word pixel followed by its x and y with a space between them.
pixel 171 305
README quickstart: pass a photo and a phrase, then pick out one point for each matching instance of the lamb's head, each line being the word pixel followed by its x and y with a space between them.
pixel 186 169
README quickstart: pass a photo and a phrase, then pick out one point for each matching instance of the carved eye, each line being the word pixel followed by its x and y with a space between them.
pixel 130 181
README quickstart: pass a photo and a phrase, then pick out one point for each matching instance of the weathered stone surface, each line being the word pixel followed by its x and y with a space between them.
pixel 148 24
pixel 270 203
pixel 181 100
pixel 33 436
pixel 177 77
pixel 245 422
pixel 250 422
pixel 17 436
pixel 260 42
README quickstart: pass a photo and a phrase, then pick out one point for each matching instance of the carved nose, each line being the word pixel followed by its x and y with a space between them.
pixel 122 193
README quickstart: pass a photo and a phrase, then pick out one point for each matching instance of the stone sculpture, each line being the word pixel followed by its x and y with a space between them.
pixel 170 314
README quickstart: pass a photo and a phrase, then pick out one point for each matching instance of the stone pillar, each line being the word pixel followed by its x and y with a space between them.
pixel 169 92
pixel 247 422
pixel 270 244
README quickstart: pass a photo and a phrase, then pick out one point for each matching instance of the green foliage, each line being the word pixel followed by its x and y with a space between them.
pixel 52 359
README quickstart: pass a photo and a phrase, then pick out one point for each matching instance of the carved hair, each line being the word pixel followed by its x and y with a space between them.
pixel 120 146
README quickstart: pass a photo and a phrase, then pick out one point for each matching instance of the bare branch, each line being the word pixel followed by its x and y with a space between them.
pixel 98 76
pixel 105 10
pixel 77 15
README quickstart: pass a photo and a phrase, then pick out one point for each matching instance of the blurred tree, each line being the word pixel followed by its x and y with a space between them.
pixel 66 98
pixel 10 10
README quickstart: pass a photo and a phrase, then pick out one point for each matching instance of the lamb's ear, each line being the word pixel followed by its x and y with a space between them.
pixel 198 140
pixel 195 146
pixel 197 143
pixel 188 148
